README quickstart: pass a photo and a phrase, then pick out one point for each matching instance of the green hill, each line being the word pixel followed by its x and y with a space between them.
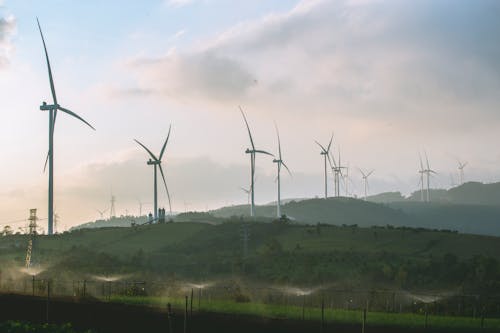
pixel 277 253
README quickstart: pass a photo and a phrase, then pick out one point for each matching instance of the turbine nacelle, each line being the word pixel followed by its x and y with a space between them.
pixel 48 107
pixel 153 162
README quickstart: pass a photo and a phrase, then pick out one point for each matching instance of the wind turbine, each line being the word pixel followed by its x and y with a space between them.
pixel 422 173
pixel 101 212
pixel 461 167
pixel 252 153
pixel 325 153
pixel 279 162
pixel 52 109
pixel 156 162
pixel 365 178
pixel 428 172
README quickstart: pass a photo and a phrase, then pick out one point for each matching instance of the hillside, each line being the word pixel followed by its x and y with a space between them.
pixel 475 219
pixel 277 252
pixel 471 193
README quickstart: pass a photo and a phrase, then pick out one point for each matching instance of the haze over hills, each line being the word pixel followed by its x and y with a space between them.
pixel 470 193
pixel 469 208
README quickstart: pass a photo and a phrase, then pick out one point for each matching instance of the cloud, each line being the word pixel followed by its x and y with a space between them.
pixel 365 57
pixel 7 30
pixel 179 3
pixel 204 75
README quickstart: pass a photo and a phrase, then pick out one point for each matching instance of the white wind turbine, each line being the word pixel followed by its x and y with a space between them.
pixel 156 162
pixel 252 153
pixel 325 152
pixel 52 109
pixel 279 162
pixel 461 167
pixel 422 173
pixel 365 179
pixel 428 173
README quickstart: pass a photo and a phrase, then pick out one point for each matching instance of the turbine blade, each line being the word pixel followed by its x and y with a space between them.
pixel 165 144
pixel 248 127
pixel 71 113
pixel 289 172
pixel 279 142
pixel 146 148
pixel 51 80
pixel 166 188
pixel 263 152
pixel 427 160
pixel 332 160
pixel 319 144
pixel 368 175
pixel 245 190
pixel 330 144
pixel 364 175
pixel 46 161
pixel 421 164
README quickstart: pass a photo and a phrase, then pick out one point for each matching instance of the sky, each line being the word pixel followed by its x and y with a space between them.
pixel 390 79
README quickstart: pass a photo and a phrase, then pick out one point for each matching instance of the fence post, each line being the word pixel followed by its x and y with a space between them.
pixel 199 299
pixel 363 323
pixel 48 302
pixel 185 315
pixel 303 307
pixel 322 314
pixel 191 305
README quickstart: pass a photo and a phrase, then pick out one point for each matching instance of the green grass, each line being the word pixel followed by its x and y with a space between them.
pixel 407 320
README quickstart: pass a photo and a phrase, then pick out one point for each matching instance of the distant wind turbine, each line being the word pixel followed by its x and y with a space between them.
pixel 252 153
pixel 156 162
pixel 325 152
pixel 52 109
pixel 422 173
pixel 279 162
pixel 101 212
pixel 428 173
pixel 365 179
pixel 461 167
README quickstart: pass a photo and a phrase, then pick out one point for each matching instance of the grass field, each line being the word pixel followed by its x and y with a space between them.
pixel 408 320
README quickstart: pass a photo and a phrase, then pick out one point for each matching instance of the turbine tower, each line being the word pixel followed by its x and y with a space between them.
pixel 365 179
pixel 156 162
pixel 428 173
pixel 325 153
pixel 52 109
pixel 461 167
pixel 252 153
pixel 279 162
pixel 422 173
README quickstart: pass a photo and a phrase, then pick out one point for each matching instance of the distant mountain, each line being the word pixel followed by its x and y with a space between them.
pixel 471 193
pixel 386 197
pixel 121 221
pixel 475 219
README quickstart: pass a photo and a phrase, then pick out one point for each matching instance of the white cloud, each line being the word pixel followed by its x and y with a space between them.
pixel 178 3
pixel 7 30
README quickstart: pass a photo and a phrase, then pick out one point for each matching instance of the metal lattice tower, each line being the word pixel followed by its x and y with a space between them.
pixel 32 237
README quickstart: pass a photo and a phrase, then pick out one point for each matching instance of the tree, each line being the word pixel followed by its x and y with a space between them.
pixel 7 230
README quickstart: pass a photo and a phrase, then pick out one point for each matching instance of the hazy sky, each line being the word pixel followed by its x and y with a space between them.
pixel 389 78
